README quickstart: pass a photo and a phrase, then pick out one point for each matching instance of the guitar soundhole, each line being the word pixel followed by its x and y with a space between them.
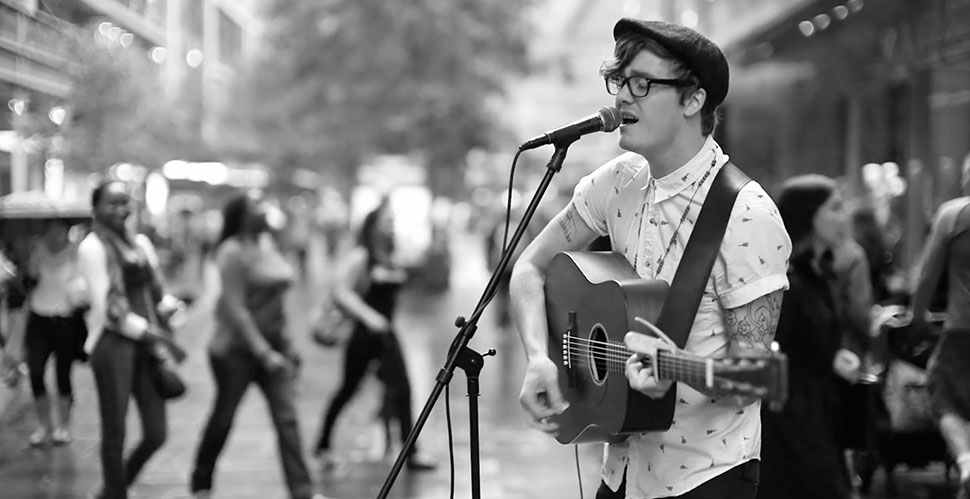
pixel 598 359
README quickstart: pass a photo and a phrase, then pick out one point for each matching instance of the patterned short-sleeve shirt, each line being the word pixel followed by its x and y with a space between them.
pixel 642 215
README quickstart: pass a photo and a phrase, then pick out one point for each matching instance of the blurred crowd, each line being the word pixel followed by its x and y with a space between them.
pixel 109 292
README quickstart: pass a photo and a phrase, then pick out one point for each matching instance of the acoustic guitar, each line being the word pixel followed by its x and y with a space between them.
pixel 593 300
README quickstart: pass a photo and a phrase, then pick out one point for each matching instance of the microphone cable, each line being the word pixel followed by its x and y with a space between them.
pixel 448 424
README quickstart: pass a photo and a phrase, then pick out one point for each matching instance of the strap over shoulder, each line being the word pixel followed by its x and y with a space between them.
pixel 689 281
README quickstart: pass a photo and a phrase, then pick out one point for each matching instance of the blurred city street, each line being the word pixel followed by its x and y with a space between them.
pixel 307 129
pixel 517 462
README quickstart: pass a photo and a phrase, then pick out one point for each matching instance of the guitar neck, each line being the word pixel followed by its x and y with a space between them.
pixel 675 366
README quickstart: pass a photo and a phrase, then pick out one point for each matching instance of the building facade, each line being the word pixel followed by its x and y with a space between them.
pixel 198 46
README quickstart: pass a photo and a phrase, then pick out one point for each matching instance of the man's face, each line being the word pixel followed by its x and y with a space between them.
pixel 651 122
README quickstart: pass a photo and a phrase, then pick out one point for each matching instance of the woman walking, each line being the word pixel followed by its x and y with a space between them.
pixel 801 455
pixel 126 293
pixel 55 325
pixel 366 287
pixel 250 344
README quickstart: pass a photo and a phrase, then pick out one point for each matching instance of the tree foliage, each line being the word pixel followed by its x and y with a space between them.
pixel 340 80
pixel 118 112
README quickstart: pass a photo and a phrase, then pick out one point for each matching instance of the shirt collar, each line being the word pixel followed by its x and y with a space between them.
pixel 687 175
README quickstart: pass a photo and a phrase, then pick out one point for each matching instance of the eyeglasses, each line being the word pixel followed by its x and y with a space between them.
pixel 639 85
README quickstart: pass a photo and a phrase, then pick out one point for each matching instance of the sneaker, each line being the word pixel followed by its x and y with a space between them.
pixel 40 437
pixel 61 436
pixel 418 462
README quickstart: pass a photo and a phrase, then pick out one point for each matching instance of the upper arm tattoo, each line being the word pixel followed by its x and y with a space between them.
pixel 567 222
pixel 752 326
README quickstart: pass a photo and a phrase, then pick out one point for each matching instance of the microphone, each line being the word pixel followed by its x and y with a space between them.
pixel 606 120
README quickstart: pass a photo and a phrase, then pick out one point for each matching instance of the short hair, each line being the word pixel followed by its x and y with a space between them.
pixel 629 45
pixel 98 191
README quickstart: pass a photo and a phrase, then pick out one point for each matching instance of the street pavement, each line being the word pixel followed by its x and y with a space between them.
pixel 517 462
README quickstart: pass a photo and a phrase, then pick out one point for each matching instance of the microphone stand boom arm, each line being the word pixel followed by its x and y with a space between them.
pixel 459 355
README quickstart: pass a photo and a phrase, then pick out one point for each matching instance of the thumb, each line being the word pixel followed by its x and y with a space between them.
pixel 556 399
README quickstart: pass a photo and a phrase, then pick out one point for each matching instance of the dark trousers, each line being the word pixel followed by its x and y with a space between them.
pixel 362 349
pixel 739 482
pixel 119 366
pixel 48 335
pixel 233 373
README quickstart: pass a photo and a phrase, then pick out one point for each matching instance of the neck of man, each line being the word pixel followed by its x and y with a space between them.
pixel 675 154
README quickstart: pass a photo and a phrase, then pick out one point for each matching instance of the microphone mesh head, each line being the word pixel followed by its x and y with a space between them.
pixel 611 118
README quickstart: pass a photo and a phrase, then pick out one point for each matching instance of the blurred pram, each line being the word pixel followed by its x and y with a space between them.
pixel 900 422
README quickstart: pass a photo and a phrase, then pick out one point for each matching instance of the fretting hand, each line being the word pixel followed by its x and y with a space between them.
pixel 640 373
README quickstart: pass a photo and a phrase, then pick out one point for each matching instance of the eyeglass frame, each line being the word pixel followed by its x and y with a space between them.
pixel 625 82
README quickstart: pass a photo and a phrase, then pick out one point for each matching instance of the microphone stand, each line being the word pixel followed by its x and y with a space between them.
pixel 470 361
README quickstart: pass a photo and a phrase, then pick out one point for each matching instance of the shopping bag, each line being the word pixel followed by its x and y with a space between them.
pixel 907 398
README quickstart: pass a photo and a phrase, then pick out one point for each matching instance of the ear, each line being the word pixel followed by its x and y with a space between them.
pixel 695 102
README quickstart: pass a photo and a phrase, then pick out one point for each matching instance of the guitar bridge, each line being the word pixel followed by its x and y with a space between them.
pixel 566 338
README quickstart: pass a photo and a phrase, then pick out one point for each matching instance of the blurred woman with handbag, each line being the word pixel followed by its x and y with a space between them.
pixel 251 345
pixel 55 325
pixel 125 334
pixel 366 287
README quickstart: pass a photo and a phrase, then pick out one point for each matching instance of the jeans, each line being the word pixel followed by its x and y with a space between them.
pixel 363 348
pixel 739 482
pixel 233 373
pixel 119 372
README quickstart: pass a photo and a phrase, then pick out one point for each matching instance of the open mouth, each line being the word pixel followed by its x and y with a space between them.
pixel 629 119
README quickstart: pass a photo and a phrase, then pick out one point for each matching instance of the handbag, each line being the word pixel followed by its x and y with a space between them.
pixel 166 380
pixel 331 325
pixel 161 370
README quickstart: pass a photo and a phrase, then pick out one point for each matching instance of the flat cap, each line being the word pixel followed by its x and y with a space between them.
pixel 701 55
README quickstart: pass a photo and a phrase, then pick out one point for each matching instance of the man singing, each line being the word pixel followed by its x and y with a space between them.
pixel 668 81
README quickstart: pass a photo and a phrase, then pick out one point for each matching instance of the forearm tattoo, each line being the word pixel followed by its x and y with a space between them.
pixel 752 326
pixel 568 223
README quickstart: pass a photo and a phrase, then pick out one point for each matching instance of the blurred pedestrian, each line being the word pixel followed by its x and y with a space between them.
pixel 367 286
pixel 947 256
pixel 801 453
pixel 495 241
pixel 55 325
pixel 874 241
pixel 9 362
pixel 124 334
pixel 250 344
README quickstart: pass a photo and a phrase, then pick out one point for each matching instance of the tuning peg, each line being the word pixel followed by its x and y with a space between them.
pixel 775 347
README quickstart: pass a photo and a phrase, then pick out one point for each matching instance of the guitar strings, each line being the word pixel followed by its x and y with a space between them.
pixel 617 353
pixel 615 356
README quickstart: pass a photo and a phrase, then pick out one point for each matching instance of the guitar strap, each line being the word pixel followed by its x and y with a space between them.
pixel 684 296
